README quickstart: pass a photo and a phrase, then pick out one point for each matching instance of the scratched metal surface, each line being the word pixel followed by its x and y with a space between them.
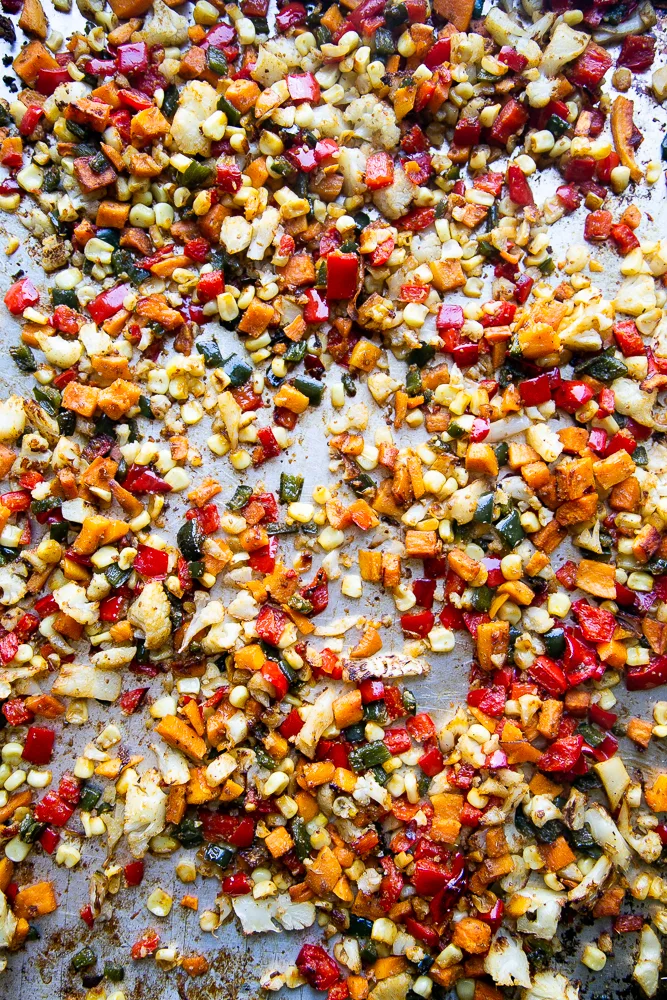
pixel 41 971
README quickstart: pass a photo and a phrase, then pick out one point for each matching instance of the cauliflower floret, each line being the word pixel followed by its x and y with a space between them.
pixel 394 201
pixel 328 120
pixel 551 986
pixel 320 717
pixel 12 418
pixel 632 401
pixel 94 341
pixel 221 637
pixel 77 680
pixel 173 765
pixel 545 907
pixel 255 914
pixel 367 789
pixel 294 916
pixel 164 27
pixel 565 45
pixel 269 67
pixel 72 600
pixel 244 607
pixel 111 659
pixel 235 233
pixel 546 442
pixel 506 961
pixel 263 230
pixel 145 812
pixel 151 613
pixel 636 295
pixel 373 120
pixel 8 923
pixel 197 102
pixel 60 352
pixel 352 163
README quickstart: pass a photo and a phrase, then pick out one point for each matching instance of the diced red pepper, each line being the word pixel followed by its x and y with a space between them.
pixel 393 701
pixel 100 67
pixel 591 66
pixel 647 677
pixel 135 100
pixel 535 391
pixel 431 762
pixel 429 877
pixel 20 295
pixel 596 624
pixel 379 171
pixel 237 885
pixel 418 623
pixel 130 701
pixel 303 87
pixel 16 713
pixel 629 339
pixel 519 188
pixel 141 479
pixel 549 676
pixel 562 755
pixel 134 872
pixel 569 196
pixel 417 219
pixel 421 727
pixel 439 53
pixel 637 53
pixel 264 560
pixel 624 238
pixel 48 80
pixel 86 914
pixel 397 741
pixel 210 286
pixel 49 840
pixel 318 968
pixel 510 120
pixel 383 252
pixel 498 313
pixel 132 58
pixel 151 563
pixel 207 517
pixel 9 645
pixel 292 15
pixel 270 624
pixel 424 591
pixel 516 62
pixel 491 700
pixel 147 945
pixel 30 119
pixel 572 395
pixel 622 441
pixel 197 249
pixel 38 747
pixel 450 317
pixel 604 167
pixel 292 725
pixel 606 403
pixel 239 831
pixel 467 131
pixel 53 809
pixel 272 673
pixel 601 717
pixel 342 275
pixel 108 303
pixel 598 225
pixel 414 140
pixel 422 932
pixel 69 788
pixel 316 309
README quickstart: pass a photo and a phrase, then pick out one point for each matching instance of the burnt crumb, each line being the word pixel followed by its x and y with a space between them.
pixel 7 30
pixel 10 83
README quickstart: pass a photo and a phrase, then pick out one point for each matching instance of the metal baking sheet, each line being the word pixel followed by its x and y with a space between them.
pixel 41 970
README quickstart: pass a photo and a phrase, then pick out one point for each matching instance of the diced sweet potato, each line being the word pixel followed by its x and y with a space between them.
pixel 179 735
pixel 148 126
pixel 278 842
pixel 297 273
pixel 549 720
pixel 557 855
pixel 92 114
pixel 33 19
pixel 472 935
pixel 155 307
pixel 256 318
pixel 32 901
pixel 597 578
pixel 88 179
pixel 419 544
pixel 573 439
pixel 176 804
pixel 242 94
pixel 656 795
pixel 33 57
pixel 81 399
pixel 481 459
pixel 118 398
pixel 447 275
pixel 639 731
pixel 324 872
pixel 492 642
pixel 365 355
pixel 613 469
pixel 609 903
pixel 626 495
pixel 576 511
pixel 348 709
pixel 463 565
pixel 549 538
pixel 113 214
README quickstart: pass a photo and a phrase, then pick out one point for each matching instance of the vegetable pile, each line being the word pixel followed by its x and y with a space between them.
pixel 326 226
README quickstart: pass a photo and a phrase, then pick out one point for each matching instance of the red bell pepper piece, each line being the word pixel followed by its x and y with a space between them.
pixel 579 170
pixel 450 317
pixel 391 885
pixel 132 58
pixel 197 249
pixel 135 100
pixel 647 677
pixel 20 295
pixel 16 713
pixel 49 840
pixel 467 132
pixel 292 15
pixel 629 339
pixel 303 87
pixel 9 645
pixel 549 676
pixel 498 313
pixel 30 119
pixel 572 395
pixel 393 701
pixel 146 945
pixel 48 80
pixel 491 700
pixel 422 932
pixel 601 717
pixel 417 219
pixel 622 441
pixel 272 673
pixel 69 788
pixel 130 701
pixel 598 225
pixel 151 563
pixel 270 624
pixel 207 517
pixel 264 560
pixel 318 968
pixel 340 991
pixel 510 120
pixel 38 747
pixel 108 303
pixel 239 831
pixel 591 66
pixel 379 171
pixel 519 188
pixel 210 285
pixel 535 391
pixel 562 755
pixel 439 53
pixel 637 53
pixel 100 67
pixel 342 275
pixel 516 62
pixel 237 885
pixel 424 591
pixel 316 309
pixel 371 690
pixel 606 402
pixel 624 238
pixel 141 479
pixel 597 625
pixel 429 877
pixel 303 158
pixel 383 252
pixel 134 872
pixel 397 741
pixel 431 762
pixel 53 809
pixel 292 725
pixel 421 727
pixel 604 167
pixel 569 197
pixel 418 623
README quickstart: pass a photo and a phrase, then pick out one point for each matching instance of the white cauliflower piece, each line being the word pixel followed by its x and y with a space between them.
pixel 78 680
pixel 374 121
pixel 197 102
pixel 222 637
pixel 151 613
pixel 545 441
pixel 94 341
pixel 112 659
pixel 394 201
pixel 12 418
pixel 565 45
pixel 256 915
pixel 235 234
pixel 220 769
pixel 649 961
pixel 319 718
pixel 60 352
pixel 264 228
pixel 294 916
pixel 632 401
pixel 328 120
pixel 211 614
pixel 506 962
pixel 636 295
pixel 8 923
pixel 12 587
pixel 545 907
pixel 72 600
pixel 269 67
pixel 367 789
pixel 164 27
pixel 173 765
pixel 551 986
pixel 462 505
pixel 244 607
pixel 145 812
pixel 352 163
